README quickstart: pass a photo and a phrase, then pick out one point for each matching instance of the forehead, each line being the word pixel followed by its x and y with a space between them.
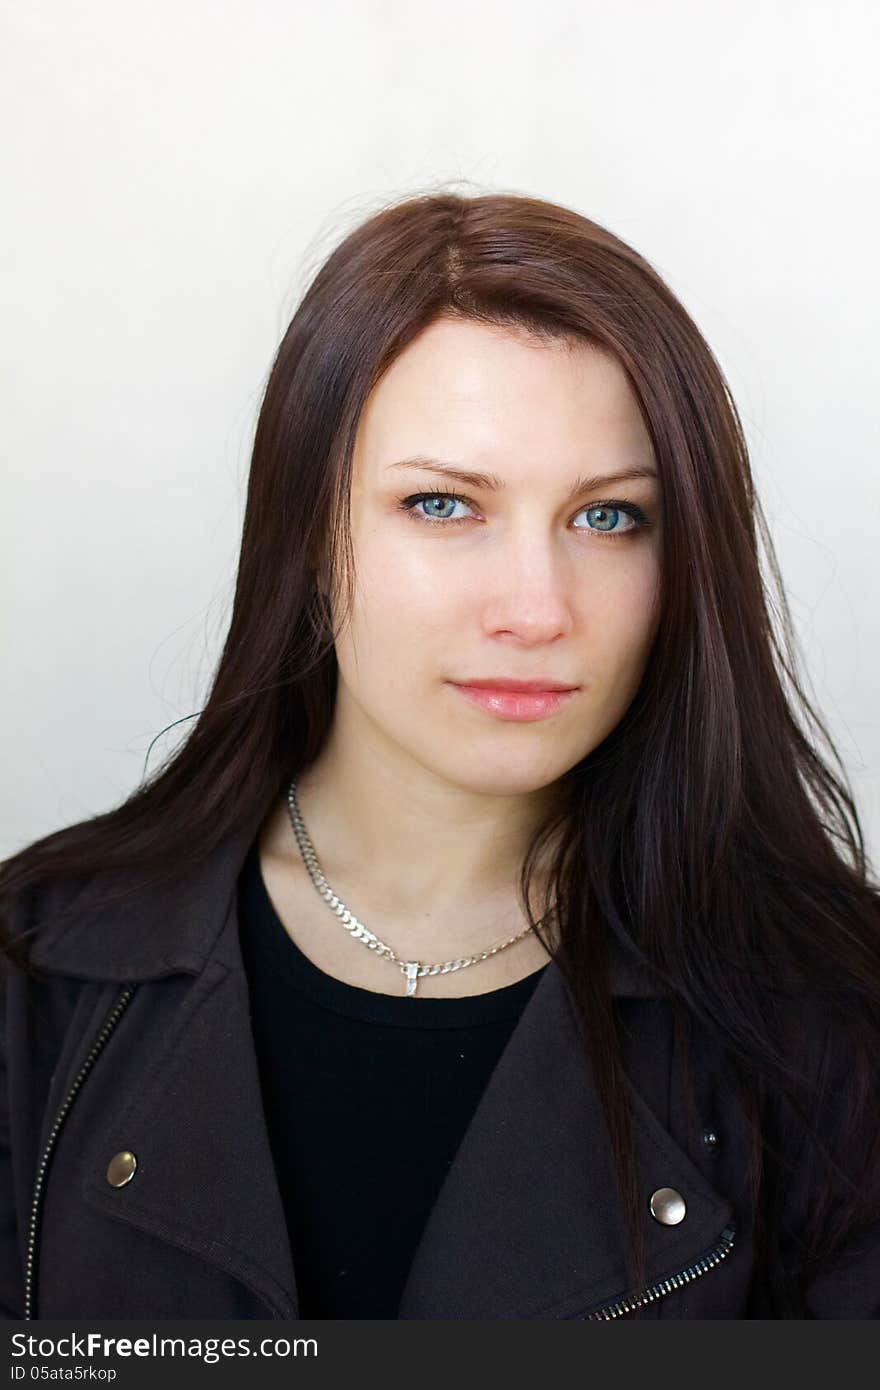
pixel 478 392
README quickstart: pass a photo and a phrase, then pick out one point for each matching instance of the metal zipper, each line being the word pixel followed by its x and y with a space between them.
pixel 109 1024
pixel 701 1266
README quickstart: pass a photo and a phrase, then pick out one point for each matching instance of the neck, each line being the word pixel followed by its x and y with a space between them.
pixel 412 848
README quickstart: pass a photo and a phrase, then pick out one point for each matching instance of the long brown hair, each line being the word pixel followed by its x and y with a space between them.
pixel 706 832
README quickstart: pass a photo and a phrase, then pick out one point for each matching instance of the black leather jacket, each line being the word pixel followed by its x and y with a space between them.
pixel 136 1178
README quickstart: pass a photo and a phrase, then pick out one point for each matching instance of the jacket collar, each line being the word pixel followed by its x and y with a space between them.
pixel 173 927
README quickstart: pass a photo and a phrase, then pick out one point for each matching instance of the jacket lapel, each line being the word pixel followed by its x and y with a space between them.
pixel 182 1092
pixel 527 1223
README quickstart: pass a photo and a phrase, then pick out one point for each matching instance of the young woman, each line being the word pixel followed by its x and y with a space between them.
pixel 498 944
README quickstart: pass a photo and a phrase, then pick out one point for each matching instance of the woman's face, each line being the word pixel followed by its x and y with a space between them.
pixel 523 581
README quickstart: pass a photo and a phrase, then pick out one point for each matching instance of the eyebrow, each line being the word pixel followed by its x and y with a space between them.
pixel 490 482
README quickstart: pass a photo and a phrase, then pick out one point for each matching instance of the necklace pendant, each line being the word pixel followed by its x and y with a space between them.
pixel 412 976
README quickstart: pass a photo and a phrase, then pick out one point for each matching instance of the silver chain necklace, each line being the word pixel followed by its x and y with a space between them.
pixel 412 969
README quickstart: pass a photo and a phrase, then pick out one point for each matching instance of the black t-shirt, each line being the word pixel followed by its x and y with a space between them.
pixel 367 1097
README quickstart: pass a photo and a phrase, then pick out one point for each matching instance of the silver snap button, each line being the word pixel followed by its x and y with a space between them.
pixel 667 1206
pixel 121 1167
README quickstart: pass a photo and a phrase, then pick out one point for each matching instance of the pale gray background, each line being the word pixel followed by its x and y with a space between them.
pixel 173 172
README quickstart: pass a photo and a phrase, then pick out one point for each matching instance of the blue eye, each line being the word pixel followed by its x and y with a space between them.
pixel 607 513
pixel 444 502
pixel 610 512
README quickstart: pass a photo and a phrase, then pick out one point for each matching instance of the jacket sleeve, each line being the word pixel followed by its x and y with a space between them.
pixel 35 1015
pixel 11 1246
pixel 847 1283
pixel 849 1286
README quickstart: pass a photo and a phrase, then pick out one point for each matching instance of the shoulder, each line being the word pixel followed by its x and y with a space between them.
pixel 28 915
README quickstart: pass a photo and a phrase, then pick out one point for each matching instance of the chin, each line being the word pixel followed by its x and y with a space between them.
pixel 507 781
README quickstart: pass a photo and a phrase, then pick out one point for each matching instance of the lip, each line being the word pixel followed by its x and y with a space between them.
pixel 542 683
pixel 517 705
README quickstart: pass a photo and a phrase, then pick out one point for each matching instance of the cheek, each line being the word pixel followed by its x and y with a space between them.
pixel 402 586
pixel 400 613
pixel 618 626
pixel 625 597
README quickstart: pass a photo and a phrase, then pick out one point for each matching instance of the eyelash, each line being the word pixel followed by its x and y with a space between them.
pixel 642 522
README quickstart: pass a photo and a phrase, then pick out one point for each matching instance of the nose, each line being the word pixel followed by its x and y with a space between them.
pixel 529 594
